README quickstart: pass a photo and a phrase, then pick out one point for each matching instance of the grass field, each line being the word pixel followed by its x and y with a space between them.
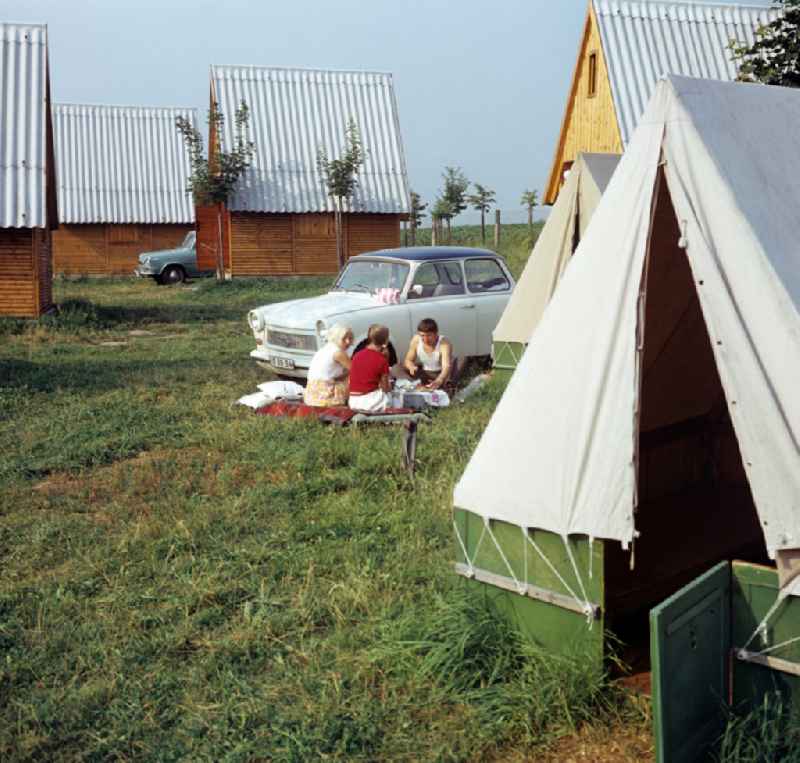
pixel 184 580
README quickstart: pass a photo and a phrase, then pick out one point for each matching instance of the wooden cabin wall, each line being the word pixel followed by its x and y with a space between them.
pixel 107 249
pixel 261 245
pixel 590 121
pixel 18 274
pixel 366 233
pixel 272 244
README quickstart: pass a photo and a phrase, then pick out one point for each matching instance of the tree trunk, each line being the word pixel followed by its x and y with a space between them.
pixel 530 220
pixel 337 216
pixel 496 228
pixel 449 232
pixel 434 237
pixel 413 232
pixel 483 226
pixel 220 251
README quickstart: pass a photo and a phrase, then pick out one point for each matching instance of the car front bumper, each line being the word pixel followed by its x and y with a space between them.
pixel 283 363
pixel 143 271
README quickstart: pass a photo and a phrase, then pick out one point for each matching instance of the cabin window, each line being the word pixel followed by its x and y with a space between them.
pixel 592 86
pixel 565 168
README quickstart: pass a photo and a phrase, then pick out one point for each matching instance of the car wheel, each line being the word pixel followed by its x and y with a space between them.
pixel 173 274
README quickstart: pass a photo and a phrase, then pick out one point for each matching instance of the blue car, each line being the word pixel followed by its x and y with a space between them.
pixel 170 266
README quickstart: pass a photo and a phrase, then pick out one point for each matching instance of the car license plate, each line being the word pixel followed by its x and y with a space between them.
pixel 281 362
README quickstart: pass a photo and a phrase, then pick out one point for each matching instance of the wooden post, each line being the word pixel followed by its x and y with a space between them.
pixel 339 238
pixel 226 221
pixel 434 238
pixel 496 228
pixel 220 252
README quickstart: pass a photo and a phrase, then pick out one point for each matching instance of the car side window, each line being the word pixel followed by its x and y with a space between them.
pixel 452 279
pixel 438 279
pixel 426 277
pixel 485 275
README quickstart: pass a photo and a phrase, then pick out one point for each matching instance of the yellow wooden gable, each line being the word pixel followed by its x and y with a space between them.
pixel 590 120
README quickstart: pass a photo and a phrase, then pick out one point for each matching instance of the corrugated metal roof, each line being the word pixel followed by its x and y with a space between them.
pixel 23 134
pixel 644 40
pixel 295 111
pixel 121 164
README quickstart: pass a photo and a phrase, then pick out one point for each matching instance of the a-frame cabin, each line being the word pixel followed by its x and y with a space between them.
pixel 28 209
pixel 625 47
pixel 280 220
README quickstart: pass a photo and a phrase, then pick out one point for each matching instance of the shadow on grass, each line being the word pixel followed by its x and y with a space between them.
pixel 92 376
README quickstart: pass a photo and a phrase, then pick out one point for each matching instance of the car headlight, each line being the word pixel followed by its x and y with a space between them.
pixel 256 320
pixel 322 330
pixel 145 260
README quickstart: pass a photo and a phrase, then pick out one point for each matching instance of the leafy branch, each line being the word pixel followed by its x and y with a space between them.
pixel 213 179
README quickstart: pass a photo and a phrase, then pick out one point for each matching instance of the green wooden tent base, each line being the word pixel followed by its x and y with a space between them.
pixel 545 612
pixel 507 356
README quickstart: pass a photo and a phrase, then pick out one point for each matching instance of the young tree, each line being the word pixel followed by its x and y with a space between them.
pixel 339 176
pixel 441 211
pixel 454 192
pixel 530 200
pixel 483 199
pixel 416 214
pixel 774 58
pixel 213 178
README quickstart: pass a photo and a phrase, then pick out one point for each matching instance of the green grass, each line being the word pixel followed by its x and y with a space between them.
pixel 769 732
pixel 184 580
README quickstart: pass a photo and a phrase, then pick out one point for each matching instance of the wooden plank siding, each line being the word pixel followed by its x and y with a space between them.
pixel 301 244
pixel 261 245
pixel 18 274
pixel 366 233
pixel 590 119
pixel 106 249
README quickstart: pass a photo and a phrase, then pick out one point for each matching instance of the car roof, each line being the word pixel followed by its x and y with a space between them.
pixel 426 253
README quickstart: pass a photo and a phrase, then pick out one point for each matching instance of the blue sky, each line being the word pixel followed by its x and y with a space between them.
pixel 480 85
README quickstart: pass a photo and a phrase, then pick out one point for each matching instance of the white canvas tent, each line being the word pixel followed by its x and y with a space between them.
pixel 565 227
pixel 678 315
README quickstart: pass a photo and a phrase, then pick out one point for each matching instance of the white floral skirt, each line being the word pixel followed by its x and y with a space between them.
pixel 322 393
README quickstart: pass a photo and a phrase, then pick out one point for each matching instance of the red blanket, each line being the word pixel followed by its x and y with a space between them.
pixel 291 409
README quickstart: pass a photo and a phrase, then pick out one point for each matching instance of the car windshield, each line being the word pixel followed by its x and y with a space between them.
pixel 370 275
pixel 188 242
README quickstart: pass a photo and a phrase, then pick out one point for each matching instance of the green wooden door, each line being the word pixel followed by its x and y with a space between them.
pixel 689 644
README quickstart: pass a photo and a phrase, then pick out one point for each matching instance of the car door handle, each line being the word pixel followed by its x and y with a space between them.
pixel 467 307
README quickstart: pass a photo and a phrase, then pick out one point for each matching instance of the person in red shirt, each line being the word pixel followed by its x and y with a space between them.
pixel 369 373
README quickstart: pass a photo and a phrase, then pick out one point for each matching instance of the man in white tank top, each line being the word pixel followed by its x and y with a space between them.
pixel 430 355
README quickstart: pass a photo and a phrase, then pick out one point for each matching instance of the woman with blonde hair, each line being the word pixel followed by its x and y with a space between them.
pixel 329 372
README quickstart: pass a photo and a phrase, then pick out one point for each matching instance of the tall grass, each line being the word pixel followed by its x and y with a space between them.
pixel 182 579
pixel 767 733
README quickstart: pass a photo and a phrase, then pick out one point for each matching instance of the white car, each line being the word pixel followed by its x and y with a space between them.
pixel 464 290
